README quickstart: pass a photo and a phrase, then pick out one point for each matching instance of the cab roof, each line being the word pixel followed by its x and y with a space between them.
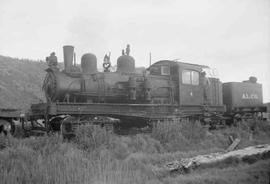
pixel 173 62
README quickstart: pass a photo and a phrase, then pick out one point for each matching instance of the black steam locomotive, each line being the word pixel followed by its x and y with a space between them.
pixel 123 98
pixel 167 89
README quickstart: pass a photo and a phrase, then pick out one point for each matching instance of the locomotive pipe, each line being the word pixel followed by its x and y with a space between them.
pixel 132 88
pixel 68 57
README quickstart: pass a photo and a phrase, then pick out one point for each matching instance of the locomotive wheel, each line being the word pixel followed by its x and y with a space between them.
pixel 14 128
pixel 70 124
pixel 68 127
pixel 55 123
pixel 6 127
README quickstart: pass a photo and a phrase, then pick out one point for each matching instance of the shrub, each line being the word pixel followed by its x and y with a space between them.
pixel 91 137
pixel 179 135
pixel 123 146
pixel 44 145
pixel 25 161
pixel 259 127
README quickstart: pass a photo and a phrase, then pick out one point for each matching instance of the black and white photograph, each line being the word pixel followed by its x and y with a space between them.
pixel 135 92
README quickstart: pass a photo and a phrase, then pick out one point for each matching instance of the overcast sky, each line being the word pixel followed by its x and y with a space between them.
pixel 230 35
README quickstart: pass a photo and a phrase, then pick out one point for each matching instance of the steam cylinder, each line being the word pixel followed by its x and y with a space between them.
pixel 89 63
pixel 126 64
pixel 68 57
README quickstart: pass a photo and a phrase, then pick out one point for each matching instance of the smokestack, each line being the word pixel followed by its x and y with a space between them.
pixel 68 57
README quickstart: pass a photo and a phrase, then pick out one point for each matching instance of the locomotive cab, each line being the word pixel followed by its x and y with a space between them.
pixel 194 85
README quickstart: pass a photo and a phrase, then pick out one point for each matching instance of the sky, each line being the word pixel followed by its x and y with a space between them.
pixel 232 36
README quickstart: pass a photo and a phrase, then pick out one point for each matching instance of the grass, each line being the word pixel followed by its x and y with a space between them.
pixel 98 156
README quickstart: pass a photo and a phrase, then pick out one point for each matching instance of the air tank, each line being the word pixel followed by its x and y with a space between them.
pixel 89 63
pixel 68 57
pixel 126 64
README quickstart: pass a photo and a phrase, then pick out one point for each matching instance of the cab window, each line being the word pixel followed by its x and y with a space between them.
pixel 165 70
pixel 190 77
pixel 155 70
pixel 195 77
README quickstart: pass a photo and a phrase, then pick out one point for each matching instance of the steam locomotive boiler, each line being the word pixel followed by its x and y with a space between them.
pixel 87 85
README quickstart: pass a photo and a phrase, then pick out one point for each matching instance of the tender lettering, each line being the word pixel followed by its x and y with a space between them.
pixel 249 96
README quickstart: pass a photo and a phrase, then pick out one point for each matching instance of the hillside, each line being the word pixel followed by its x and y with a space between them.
pixel 20 82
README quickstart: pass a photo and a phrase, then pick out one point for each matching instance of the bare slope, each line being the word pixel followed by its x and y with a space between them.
pixel 20 82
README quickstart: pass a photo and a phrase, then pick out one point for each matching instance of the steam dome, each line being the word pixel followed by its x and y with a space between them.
pixel 126 64
pixel 89 63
